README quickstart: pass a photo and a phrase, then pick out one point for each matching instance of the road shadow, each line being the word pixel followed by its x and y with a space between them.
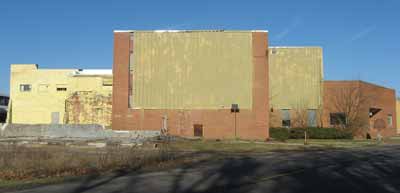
pixel 358 170
pixel 344 172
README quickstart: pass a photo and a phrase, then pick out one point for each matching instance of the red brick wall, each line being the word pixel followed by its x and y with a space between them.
pixel 250 124
pixel 381 97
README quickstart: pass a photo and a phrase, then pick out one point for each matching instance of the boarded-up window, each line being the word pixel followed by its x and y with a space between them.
pixel 312 118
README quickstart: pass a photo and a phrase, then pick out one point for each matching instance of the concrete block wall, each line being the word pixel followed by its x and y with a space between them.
pixel 90 132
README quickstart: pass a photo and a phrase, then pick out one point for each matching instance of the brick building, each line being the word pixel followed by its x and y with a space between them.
pixel 398 115
pixel 369 108
pixel 186 82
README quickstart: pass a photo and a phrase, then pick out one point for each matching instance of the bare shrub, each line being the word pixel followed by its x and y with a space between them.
pixel 353 101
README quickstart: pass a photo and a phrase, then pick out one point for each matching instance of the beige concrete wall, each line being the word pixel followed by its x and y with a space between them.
pixel 196 70
pixel 36 106
pixel 296 75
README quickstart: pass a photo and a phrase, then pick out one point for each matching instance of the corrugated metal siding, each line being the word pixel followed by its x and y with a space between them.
pixel 295 77
pixel 192 70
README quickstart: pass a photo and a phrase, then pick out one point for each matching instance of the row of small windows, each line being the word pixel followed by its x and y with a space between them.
pixel 335 118
pixel 42 88
pixel 341 119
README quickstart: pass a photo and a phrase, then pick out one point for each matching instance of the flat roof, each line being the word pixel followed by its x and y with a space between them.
pixel 295 46
pixel 175 31
pixel 93 72
pixel 360 81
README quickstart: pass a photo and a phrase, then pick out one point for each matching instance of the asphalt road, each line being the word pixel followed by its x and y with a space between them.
pixel 375 169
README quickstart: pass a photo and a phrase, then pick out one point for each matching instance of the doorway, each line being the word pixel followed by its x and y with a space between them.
pixel 198 130
pixel 55 118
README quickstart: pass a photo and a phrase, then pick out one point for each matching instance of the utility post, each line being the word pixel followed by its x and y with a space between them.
pixel 305 137
pixel 235 109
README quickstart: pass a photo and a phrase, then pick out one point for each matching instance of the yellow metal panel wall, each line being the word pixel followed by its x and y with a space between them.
pixel 296 75
pixel 36 106
pixel 192 70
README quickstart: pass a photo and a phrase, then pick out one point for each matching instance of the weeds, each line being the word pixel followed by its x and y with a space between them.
pixel 24 163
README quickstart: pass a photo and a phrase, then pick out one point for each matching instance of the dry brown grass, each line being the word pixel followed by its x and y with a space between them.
pixel 25 163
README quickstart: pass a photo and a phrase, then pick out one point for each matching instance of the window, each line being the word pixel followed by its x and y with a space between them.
pixel 107 81
pixel 285 118
pixel 390 120
pixel 43 87
pixel 312 118
pixel 61 88
pixel 25 87
pixel 338 118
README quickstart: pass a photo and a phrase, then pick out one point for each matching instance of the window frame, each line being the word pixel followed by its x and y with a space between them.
pixel 61 88
pixel 22 87
pixel 286 122
pixel 43 88
pixel 390 120
pixel 338 121
pixel 314 120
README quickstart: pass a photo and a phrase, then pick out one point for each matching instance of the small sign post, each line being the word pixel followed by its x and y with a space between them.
pixel 235 109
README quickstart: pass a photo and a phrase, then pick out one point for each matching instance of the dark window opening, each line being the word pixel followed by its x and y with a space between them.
pixel 198 130
pixel 286 123
pixel 338 118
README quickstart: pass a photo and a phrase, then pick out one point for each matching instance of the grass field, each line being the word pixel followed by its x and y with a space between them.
pixel 241 146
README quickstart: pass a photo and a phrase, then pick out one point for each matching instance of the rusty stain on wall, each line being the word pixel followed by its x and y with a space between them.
pixel 88 107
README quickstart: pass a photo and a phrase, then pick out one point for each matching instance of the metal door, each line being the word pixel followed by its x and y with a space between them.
pixel 55 118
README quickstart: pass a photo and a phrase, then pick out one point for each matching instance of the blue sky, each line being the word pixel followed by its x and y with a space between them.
pixel 361 38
